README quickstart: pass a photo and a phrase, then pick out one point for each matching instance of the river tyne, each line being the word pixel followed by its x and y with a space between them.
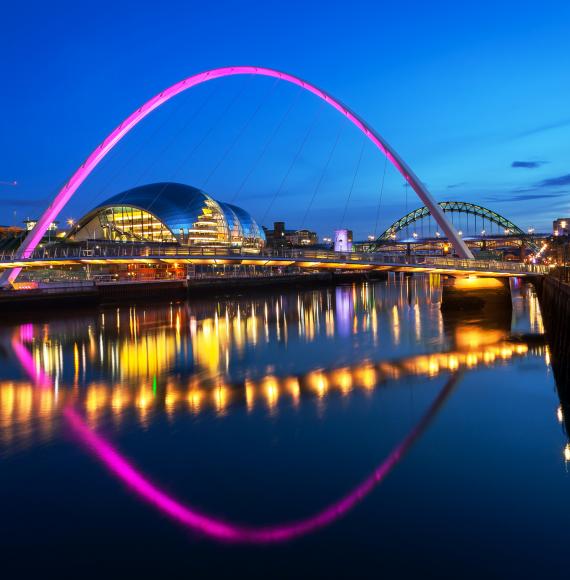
pixel 344 431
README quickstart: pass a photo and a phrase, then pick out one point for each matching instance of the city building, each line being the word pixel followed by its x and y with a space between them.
pixel 343 241
pixel 30 224
pixel 170 213
pixel 561 226
pixel 280 237
pixel 10 237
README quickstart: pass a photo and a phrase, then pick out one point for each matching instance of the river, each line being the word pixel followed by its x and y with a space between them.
pixel 344 431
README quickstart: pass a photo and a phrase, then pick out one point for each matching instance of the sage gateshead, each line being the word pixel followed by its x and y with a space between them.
pixel 171 213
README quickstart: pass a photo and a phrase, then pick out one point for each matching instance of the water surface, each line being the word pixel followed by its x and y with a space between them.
pixel 342 431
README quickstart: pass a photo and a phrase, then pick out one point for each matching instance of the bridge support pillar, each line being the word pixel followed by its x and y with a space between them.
pixel 489 296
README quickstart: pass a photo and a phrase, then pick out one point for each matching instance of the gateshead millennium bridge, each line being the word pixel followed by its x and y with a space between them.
pixel 26 255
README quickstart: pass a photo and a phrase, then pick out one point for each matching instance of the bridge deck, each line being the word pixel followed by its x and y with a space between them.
pixel 306 259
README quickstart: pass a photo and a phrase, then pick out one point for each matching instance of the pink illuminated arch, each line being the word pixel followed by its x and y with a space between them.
pixel 65 194
pixel 219 529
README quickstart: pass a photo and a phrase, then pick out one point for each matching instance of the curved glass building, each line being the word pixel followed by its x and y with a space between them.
pixel 170 213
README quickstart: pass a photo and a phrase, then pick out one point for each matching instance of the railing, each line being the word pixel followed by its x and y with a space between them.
pixel 378 258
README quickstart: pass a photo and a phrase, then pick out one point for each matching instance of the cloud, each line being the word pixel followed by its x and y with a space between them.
pixel 525 196
pixel 555 181
pixel 542 128
pixel 453 185
pixel 527 164
pixel 529 196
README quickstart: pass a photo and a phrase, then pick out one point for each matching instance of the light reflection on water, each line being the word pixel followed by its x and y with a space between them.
pixel 213 355
pixel 127 367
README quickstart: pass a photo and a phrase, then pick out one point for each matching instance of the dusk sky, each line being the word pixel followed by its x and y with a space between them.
pixel 474 96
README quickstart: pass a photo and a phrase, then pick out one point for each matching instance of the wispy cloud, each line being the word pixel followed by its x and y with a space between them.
pixel 525 196
pixel 454 185
pixel 527 164
pixel 555 181
pixel 541 128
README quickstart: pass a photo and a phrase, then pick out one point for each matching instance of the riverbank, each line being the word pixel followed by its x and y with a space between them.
pixel 554 297
pixel 91 292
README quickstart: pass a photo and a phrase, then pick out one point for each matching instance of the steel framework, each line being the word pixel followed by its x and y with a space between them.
pixel 459 207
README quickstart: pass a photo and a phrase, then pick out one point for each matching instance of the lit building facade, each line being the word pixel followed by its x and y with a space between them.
pixel 280 237
pixel 561 227
pixel 170 213
pixel 343 241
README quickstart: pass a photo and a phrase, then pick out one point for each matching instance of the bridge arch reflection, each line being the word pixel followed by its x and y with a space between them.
pixel 222 530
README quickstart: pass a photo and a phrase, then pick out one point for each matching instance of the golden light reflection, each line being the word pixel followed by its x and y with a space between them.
pixel 318 382
pixel 270 387
pixel 22 404
pixel 138 345
pixel 293 388
pixel 470 337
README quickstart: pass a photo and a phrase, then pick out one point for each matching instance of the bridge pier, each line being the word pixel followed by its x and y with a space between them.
pixel 490 296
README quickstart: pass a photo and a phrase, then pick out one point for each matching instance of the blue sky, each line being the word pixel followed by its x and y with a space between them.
pixel 475 97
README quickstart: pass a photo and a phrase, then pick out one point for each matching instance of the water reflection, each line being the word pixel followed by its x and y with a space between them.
pixel 210 356
pixel 253 353
pixel 223 530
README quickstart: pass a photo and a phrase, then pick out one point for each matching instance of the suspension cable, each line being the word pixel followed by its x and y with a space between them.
pixel 353 182
pixel 323 173
pixel 265 147
pixel 243 129
pixel 197 112
pixel 137 153
pixel 294 161
pixel 176 172
pixel 380 197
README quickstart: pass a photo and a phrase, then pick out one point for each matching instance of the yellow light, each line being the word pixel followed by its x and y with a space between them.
pixel 195 400
pixel 365 375
pixel 292 385
pixel 452 363
pixel 249 394
pixel 271 388
pixel 472 283
pixel 221 398
pixel 343 379
pixel 318 382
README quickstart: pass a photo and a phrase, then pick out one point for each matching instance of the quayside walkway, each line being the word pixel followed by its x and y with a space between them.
pixel 304 259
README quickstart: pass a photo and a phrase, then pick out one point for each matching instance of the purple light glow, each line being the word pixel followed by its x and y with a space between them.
pixel 25 358
pixel 65 194
pixel 221 530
